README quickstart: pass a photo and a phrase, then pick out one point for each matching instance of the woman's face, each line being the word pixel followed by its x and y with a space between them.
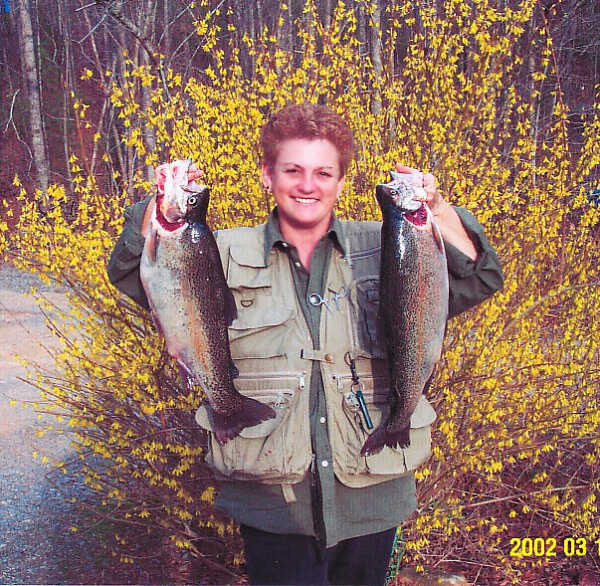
pixel 306 182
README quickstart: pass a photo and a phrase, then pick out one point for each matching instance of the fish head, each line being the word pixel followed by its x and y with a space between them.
pixel 178 200
pixel 197 202
pixel 399 195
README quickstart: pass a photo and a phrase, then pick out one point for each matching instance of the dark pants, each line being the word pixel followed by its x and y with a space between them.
pixel 272 558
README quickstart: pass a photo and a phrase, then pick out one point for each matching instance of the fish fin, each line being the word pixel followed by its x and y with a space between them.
pixel 230 307
pixel 382 437
pixel 151 243
pixel 156 322
pixel 430 379
pixel 437 236
pixel 185 374
pixel 233 370
pixel 251 412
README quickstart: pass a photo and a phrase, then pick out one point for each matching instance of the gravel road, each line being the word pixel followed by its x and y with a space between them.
pixel 38 504
pixel 37 545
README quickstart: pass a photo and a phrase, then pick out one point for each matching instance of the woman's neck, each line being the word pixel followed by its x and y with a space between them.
pixel 305 240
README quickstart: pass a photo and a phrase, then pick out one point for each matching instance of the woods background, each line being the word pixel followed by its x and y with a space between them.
pixel 498 98
pixel 48 46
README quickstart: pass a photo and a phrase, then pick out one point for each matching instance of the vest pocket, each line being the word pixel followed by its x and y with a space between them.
pixel 351 433
pixel 260 329
pixel 271 451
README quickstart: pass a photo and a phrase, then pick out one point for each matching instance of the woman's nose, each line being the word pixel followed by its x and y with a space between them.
pixel 307 184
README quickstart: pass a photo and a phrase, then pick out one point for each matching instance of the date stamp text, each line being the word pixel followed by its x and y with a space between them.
pixel 523 547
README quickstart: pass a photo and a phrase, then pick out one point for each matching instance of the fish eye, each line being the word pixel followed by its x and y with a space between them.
pixel 192 200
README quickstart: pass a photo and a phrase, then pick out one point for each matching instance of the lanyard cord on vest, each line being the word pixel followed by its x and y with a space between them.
pixel 355 396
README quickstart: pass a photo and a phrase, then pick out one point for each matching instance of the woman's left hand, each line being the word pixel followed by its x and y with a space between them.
pixel 446 218
pixel 433 198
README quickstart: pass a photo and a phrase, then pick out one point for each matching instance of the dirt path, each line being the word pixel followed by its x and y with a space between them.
pixel 37 510
pixel 36 544
pixel 38 504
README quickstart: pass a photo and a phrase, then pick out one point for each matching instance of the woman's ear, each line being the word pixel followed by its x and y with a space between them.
pixel 266 176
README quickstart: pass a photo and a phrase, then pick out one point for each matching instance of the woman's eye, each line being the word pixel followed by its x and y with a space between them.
pixel 290 170
pixel 325 174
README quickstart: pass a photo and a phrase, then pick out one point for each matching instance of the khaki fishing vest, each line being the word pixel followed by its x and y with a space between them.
pixel 272 348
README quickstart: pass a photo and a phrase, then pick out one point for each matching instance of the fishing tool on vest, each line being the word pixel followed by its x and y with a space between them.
pixel 343 292
pixel 316 300
pixel 355 399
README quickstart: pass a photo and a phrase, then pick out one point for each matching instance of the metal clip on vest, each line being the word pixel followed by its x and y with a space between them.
pixel 355 397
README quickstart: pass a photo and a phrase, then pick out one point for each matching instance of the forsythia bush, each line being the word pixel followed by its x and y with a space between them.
pixel 516 442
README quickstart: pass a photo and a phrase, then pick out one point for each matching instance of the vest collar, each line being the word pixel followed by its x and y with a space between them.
pixel 273 234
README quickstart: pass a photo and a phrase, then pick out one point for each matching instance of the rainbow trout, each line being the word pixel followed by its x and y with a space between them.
pixel 413 305
pixel 190 302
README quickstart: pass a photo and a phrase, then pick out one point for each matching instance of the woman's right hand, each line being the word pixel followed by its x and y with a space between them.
pixel 193 173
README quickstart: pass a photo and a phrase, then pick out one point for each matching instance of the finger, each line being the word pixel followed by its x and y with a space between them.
pixel 429 183
pixel 405 169
pixel 421 194
pixel 194 174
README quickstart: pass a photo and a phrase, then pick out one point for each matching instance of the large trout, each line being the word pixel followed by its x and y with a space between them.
pixel 189 299
pixel 413 305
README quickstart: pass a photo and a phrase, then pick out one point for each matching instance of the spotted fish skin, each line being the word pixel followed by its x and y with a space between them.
pixel 190 302
pixel 413 306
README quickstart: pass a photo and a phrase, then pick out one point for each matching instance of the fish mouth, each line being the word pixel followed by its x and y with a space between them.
pixel 418 217
pixel 170 219
pixel 404 197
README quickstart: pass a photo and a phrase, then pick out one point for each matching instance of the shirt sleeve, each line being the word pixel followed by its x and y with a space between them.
pixel 472 281
pixel 124 265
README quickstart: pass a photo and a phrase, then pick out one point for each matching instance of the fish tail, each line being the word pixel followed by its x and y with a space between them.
pixel 252 412
pixel 382 437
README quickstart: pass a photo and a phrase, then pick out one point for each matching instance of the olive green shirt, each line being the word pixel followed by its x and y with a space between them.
pixel 324 507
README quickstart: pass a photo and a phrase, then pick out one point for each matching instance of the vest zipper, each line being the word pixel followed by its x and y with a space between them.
pixel 344 379
pixel 299 376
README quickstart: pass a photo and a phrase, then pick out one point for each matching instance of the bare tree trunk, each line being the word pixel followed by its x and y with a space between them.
pixel 65 33
pixel 6 77
pixel 149 138
pixel 376 55
pixel 167 30
pixel 244 16
pixel 30 72
pixel 326 13
pixel 38 59
pixel 292 36
pixel 362 28
pixel 259 18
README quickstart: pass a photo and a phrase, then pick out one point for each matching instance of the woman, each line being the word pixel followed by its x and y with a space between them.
pixel 311 509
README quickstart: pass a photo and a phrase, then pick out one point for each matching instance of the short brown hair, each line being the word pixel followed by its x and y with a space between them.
pixel 310 121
